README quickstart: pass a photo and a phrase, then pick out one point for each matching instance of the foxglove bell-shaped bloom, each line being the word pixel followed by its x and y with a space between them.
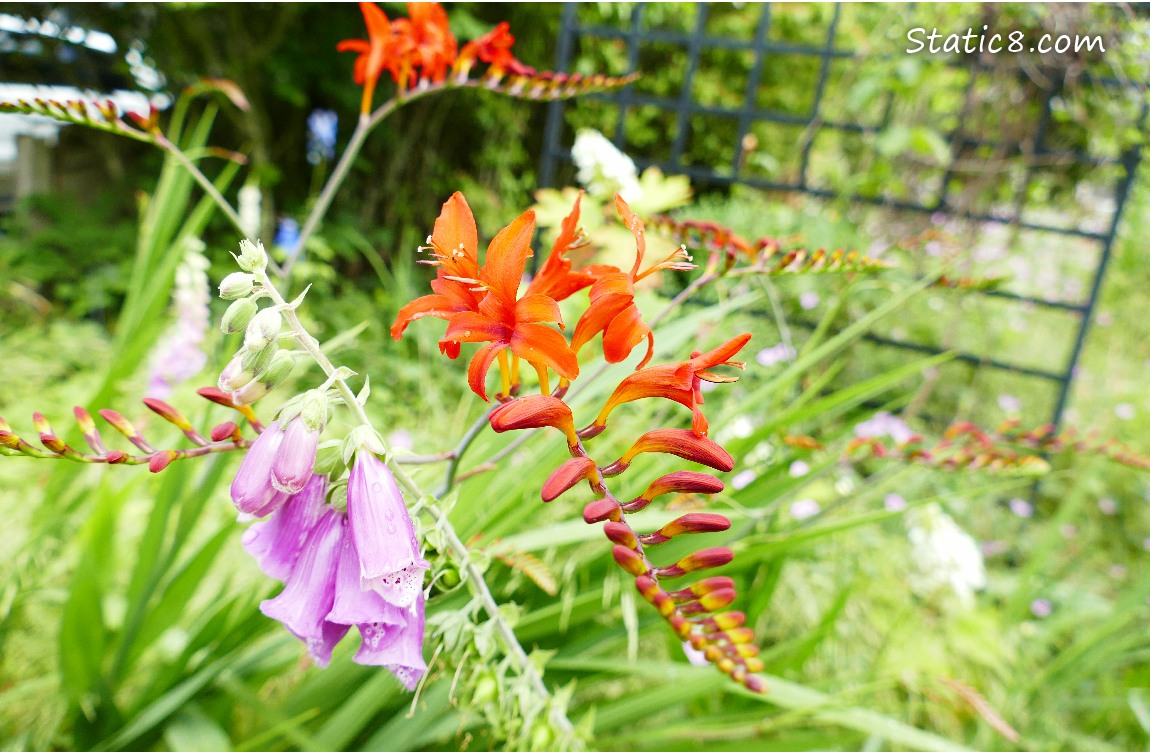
pixel 382 532
pixel 276 543
pixel 295 458
pixel 398 647
pixel 252 488
pixel 307 598
pixel 353 604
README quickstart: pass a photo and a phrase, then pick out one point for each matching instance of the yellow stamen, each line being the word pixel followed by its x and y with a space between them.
pixel 544 381
pixel 514 369
pixel 504 373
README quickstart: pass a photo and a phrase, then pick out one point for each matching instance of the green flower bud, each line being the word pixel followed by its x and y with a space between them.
pixel 263 329
pixel 237 285
pixel 313 410
pixel 253 257
pixel 280 368
pixel 238 316
pixel 257 362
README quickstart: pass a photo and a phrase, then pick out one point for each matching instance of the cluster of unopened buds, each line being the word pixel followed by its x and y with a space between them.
pixel 481 303
pixel 1009 448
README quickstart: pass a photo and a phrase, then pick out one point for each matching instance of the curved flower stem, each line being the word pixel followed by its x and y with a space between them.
pixel 461 448
pixel 208 186
pixel 454 544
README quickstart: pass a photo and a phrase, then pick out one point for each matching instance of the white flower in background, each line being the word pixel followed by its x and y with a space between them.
pixel 884 424
pixel 804 509
pixel 249 210
pixel 944 555
pixel 771 356
pixel 179 355
pixel 603 169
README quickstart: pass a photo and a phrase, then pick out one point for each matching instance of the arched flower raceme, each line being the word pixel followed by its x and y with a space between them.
pixel 375 52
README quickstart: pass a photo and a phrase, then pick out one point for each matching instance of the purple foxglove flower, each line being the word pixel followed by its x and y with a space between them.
pixel 276 543
pixel 252 488
pixel 295 458
pixel 307 597
pixel 398 647
pixel 321 646
pixel 382 532
pixel 353 604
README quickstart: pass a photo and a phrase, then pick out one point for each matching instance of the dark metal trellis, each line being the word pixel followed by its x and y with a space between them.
pixel 765 52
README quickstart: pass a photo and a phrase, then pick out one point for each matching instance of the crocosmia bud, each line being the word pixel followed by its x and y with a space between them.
pixel 237 285
pixel 263 329
pixel 252 256
pixel 238 316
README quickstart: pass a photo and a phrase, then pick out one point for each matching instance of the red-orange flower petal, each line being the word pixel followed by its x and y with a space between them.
pixel 623 333
pixel 538 343
pixel 684 481
pixel 567 476
pixel 532 309
pixel 475 327
pixel 534 411
pixel 680 443
pixel 438 306
pixel 507 257
pixel 374 52
pixel 479 366
pixel 555 278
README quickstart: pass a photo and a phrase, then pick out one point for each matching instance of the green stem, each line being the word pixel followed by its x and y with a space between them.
pixel 208 186
pixel 458 549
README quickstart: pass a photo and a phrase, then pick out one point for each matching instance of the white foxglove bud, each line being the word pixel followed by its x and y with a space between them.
pixel 263 329
pixel 252 256
pixel 280 368
pixel 237 285
pixel 238 316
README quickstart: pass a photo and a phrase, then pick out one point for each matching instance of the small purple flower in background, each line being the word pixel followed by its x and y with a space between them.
pixel 884 424
pixel 892 502
pixel 809 300
pixel 1146 544
pixel 805 508
pixel 1125 411
pixel 382 532
pixel 322 128
pixel 1068 531
pixel 1009 403
pixel 770 356
pixel 1021 508
pixel 1041 608
pixel 798 469
pixel 694 657
pixel 1108 506
pixel 743 479
pixel 180 354
pixel 400 438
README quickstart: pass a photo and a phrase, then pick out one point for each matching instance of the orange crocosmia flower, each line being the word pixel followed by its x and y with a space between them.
pixel 555 278
pixel 425 42
pixel 613 311
pixel 493 48
pixel 454 243
pixel 508 322
pixel 681 382
pixel 374 52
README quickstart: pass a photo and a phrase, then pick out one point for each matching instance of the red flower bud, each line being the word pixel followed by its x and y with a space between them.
pixel 681 443
pixel 708 558
pixel 710 602
pixel 567 476
pixel 115 457
pixel 647 587
pixel 601 509
pixel 160 460
pixel 696 522
pixel 754 683
pixel 168 413
pixel 722 622
pixel 535 411
pixel 621 533
pixel 224 431
pixel 630 560
pixel 683 481
pixel 702 587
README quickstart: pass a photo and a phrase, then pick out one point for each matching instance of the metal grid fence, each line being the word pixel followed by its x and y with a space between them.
pixel 1032 157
